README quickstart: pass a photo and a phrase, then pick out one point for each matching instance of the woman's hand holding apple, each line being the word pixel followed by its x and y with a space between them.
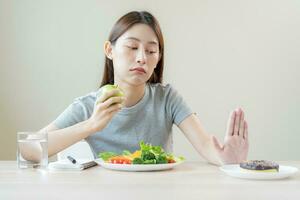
pixel 106 106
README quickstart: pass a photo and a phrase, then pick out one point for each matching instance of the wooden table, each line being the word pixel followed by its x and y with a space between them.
pixel 191 180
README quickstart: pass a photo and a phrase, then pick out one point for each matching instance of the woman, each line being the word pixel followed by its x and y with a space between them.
pixel 134 61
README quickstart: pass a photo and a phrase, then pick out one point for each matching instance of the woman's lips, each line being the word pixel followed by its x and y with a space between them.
pixel 138 69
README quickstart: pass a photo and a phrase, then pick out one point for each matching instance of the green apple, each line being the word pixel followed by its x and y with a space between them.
pixel 109 87
pixel 106 88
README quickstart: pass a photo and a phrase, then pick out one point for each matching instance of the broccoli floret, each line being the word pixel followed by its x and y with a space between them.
pixel 137 161
pixel 153 161
pixel 161 160
pixel 146 155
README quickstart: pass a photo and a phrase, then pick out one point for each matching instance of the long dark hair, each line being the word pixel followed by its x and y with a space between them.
pixel 121 26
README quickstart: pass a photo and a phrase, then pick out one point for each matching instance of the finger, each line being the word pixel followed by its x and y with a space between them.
pixel 230 123
pixel 112 100
pixel 241 129
pixel 237 122
pixel 114 108
pixel 107 95
pixel 217 144
pixel 246 130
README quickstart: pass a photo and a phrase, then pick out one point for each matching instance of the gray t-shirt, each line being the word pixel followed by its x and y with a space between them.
pixel 150 120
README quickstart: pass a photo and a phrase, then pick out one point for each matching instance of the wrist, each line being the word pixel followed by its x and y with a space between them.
pixel 91 126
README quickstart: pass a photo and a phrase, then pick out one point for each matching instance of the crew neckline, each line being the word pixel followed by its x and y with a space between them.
pixel 138 105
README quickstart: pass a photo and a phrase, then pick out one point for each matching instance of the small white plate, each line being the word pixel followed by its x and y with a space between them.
pixel 136 168
pixel 236 171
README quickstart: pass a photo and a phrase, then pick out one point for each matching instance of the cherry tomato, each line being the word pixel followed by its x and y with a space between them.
pixel 171 161
pixel 119 160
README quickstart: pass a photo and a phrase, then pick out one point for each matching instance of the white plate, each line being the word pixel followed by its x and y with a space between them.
pixel 136 168
pixel 236 171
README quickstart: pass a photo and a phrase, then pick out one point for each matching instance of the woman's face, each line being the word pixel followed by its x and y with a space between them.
pixel 135 55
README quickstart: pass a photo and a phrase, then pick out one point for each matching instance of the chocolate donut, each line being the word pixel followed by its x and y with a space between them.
pixel 260 165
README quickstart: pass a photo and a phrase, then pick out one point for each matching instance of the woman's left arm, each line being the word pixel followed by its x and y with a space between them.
pixel 236 144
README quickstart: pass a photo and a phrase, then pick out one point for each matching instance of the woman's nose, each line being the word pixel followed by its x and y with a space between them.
pixel 141 56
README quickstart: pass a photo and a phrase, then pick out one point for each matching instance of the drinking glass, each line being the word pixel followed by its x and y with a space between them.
pixel 32 150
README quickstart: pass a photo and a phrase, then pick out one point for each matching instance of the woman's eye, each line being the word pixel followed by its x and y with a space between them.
pixel 132 47
pixel 151 52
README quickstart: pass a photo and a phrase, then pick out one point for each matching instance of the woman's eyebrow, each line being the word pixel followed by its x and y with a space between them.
pixel 136 39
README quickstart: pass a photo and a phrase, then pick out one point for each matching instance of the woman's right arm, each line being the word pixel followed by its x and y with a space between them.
pixel 105 108
pixel 59 139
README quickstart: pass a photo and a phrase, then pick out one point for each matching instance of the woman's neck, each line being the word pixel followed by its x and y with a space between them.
pixel 133 94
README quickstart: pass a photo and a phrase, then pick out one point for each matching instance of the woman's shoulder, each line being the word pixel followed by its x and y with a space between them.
pixel 161 86
pixel 87 99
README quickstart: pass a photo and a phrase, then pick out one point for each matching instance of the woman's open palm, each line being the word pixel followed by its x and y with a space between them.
pixel 236 143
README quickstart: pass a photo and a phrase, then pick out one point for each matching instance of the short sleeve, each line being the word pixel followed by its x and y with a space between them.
pixel 73 114
pixel 177 108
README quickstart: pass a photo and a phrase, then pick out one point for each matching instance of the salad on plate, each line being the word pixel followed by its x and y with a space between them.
pixel 147 154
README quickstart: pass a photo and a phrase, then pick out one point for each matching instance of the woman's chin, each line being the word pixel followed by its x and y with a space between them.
pixel 137 81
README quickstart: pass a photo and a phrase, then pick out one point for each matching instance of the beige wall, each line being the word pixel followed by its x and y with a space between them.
pixel 219 55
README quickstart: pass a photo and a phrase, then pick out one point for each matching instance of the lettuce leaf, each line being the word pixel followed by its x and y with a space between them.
pixel 107 155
